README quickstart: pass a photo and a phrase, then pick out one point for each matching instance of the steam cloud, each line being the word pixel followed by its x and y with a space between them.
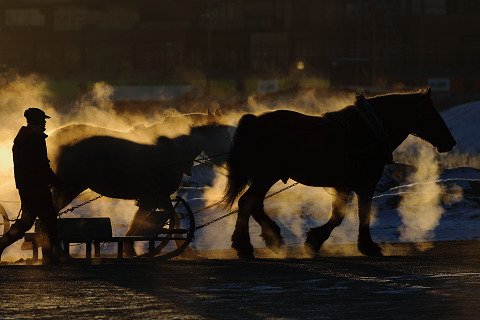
pixel 420 208
pixel 294 210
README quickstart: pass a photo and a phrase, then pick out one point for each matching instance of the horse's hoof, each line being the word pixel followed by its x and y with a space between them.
pixel 310 249
pixel 129 253
pixel 245 255
pixel 312 245
pixel 371 249
pixel 244 249
pixel 189 253
pixel 244 252
pixel 273 241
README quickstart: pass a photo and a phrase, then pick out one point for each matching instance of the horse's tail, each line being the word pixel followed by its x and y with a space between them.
pixel 239 160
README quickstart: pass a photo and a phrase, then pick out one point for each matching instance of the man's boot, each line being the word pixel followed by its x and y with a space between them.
pixel 3 244
pixel 53 255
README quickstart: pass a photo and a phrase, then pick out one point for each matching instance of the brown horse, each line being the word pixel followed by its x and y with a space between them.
pixel 148 173
pixel 346 150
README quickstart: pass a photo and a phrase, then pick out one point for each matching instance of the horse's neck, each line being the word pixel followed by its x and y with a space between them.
pixel 189 145
pixel 396 117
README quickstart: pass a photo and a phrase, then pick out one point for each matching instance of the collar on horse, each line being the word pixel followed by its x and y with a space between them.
pixel 369 116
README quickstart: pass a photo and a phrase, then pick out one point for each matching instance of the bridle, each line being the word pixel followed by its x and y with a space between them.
pixel 419 120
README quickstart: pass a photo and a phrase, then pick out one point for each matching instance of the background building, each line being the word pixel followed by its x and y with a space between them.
pixel 346 42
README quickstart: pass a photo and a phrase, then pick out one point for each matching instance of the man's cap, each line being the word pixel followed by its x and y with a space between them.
pixel 35 114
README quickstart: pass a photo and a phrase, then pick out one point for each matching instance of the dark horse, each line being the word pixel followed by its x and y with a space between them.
pixel 346 150
pixel 148 173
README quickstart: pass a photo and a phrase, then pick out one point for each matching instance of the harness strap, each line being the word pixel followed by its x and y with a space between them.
pixel 354 150
pixel 367 113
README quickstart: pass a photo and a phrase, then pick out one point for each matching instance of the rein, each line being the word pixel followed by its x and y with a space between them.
pixel 418 121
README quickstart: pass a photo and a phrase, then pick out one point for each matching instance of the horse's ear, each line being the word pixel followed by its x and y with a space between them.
pixel 358 97
pixel 428 92
pixel 217 112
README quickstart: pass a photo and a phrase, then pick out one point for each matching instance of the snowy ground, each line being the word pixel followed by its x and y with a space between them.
pixel 463 121
pixel 460 218
pixel 440 284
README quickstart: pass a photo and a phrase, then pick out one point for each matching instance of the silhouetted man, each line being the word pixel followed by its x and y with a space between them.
pixel 33 178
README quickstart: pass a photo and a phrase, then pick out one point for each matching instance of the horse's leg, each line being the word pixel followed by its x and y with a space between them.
pixel 251 201
pixel 137 221
pixel 317 236
pixel 65 195
pixel 271 233
pixel 365 243
pixel 62 197
pixel 270 230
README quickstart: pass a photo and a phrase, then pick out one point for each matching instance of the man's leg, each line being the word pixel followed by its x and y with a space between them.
pixel 18 229
pixel 48 218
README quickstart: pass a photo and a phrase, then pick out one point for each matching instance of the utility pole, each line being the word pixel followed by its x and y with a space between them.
pixel 421 41
pixel 209 46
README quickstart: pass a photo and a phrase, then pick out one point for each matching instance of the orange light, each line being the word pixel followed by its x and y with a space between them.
pixel 300 65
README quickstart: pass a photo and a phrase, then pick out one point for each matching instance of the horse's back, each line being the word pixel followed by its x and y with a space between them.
pixel 122 152
pixel 74 133
pixel 120 168
pixel 294 130
pixel 289 144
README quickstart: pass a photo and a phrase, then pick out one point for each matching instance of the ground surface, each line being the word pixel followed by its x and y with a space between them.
pixel 443 283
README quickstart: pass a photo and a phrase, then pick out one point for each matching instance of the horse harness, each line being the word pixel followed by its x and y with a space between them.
pixel 364 112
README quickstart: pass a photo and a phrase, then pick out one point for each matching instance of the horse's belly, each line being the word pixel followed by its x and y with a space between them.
pixel 325 171
pixel 321 179
pixel 135 186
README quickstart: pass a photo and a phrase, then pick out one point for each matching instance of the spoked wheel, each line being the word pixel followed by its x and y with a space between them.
pixel 176 234
pixel 5 220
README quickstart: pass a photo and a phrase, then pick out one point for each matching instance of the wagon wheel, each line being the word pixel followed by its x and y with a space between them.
pixel 6 221
pixel 177 233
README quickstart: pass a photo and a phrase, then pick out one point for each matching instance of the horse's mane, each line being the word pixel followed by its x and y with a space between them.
pixel 188 114
pixel 162 140
pixel 383 97
pixel 209 129
pixel 194 130
pixel 76 125
pixel 202 117
pixel 208 126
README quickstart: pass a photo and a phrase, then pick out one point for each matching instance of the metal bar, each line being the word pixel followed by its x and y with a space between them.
pixel 88 250
pixel 96 246
pixel 151 245
pixel 35 250
pixel 67 247
pixel 120 249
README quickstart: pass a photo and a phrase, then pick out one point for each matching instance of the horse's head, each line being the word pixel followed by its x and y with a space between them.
pixel 214 140
pixel 430 126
